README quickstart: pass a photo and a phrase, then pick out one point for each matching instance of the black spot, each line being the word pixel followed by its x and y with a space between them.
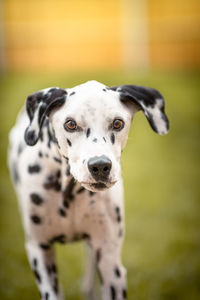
pixel 112 138
pixel 36 199
pixel 54 138
pixel 40 154
pixel 30 137
pixel 117 272
pixel 120 233
pixel 118 217
pixel 104 139
pixel 72 93
pixel 35 219
pixel 44 246
pixel 98 255
pixel 37 276
pixel 69 142
pixel 35 262
pixel 49 135
pixel 20 149
pixel 41 136
pixel 91 193
pixel 82 189
pixel 34 169
pixel 112 292
pixel 85 235
pixel 67 193
pixel 68 171
pixel 58 174
pixel 77 237
pixel 59 239
pixel 58 160
pixel 53 268
pixel 124 293
pixel 104 90
pixel 53 185
pixel 62 212
pixel 66 203
pixel 52 182
pixel 67 159
pixel 46 296
pixel 48 269
pixel 55 287
pixel 88 132
pixel 57 142
pixel 15 173
pixel 95 140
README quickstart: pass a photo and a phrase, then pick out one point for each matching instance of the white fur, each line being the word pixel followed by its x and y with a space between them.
pixel 98 217
pixel 95 215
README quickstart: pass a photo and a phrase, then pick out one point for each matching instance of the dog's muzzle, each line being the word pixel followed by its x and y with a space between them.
pixel 100 167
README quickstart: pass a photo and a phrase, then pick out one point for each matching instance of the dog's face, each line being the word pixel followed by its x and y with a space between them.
pixel 92 129
pixel 91 124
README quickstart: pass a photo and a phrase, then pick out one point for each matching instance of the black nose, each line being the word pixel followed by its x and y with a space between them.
pixel 100 167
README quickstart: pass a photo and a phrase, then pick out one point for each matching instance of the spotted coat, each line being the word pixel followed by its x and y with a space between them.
pixel 64 160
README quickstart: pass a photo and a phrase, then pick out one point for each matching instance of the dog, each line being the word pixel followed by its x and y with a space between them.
pixel 64 160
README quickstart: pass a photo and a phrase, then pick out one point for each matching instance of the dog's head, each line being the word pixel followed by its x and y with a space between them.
pixel 91 124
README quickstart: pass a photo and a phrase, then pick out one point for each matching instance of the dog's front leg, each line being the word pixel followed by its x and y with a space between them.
pixel 42 262
pixel 112 275
pixel 111 272
pixel 89 283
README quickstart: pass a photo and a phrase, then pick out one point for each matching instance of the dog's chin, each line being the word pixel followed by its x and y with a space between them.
pixel 98 186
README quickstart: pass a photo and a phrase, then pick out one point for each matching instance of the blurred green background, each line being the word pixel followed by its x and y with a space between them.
pixel 161 174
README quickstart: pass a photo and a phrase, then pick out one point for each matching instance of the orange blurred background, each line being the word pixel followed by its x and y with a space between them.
pixel 91 34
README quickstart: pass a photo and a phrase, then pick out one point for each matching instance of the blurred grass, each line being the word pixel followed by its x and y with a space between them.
pixel 161 176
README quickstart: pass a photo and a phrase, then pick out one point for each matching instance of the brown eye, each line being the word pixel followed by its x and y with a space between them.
pixel 70 125
pixel 118 124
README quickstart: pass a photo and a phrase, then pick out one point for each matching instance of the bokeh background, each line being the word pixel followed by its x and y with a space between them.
pixel 146 42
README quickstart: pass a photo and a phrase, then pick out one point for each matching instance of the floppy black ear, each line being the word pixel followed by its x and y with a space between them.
pixel 150 101
pixel 38 107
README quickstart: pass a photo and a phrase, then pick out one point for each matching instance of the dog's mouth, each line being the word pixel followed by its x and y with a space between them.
pixel 98 186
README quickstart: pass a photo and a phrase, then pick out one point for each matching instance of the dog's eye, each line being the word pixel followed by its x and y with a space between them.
pixel 117 124
pixel 70 125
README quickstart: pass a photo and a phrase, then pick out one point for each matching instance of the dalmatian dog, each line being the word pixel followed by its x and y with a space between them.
pixel 64 160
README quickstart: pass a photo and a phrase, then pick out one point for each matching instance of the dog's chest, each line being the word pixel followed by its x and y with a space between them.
pixel 85 210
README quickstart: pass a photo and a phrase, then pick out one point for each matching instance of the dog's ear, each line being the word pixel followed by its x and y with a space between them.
pixel 39 106
pixel 150 101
